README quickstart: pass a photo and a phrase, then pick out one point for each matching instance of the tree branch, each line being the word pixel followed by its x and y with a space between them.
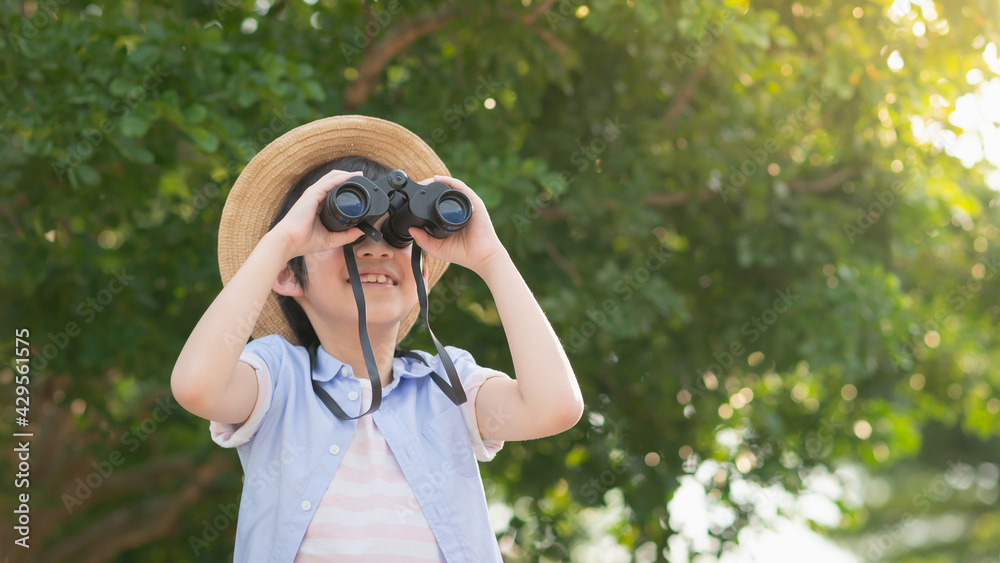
pixel 820 185
pixel 550 39
pixel 369 14
pixel 139 477
pixel 120 530
pixel 379 56
pixel 560 260
pixel 684 96
pixel 823 184
pixel 19 201
pixel 677 198
pixel 530 20
pixel 538 12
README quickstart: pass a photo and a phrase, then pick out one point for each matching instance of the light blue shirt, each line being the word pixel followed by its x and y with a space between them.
pixel 291 446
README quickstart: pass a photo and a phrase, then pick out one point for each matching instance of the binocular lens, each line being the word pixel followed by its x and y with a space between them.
pixel 453 210
pixel 350 203
pixel 346 206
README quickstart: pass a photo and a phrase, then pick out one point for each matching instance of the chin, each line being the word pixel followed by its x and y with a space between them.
pixel 377 314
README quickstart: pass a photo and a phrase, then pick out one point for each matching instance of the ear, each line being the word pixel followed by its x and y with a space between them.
pixel 285 283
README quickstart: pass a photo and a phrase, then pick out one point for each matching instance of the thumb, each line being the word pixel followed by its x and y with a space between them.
pixel 420 236
pixel 342 238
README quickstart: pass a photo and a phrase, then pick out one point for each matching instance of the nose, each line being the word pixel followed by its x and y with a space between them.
pixel 368 248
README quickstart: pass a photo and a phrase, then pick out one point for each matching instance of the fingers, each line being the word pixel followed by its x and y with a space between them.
pixel 451 182
pixel 345 237
pixel 312 198
pixel 420 236
pixel 461 186
pixel 337 175
pixel 329 181
pixel 325 240
pixel 446 180
pixel 425 240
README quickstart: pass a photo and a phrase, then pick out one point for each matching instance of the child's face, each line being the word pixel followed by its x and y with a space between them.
pixel 387 280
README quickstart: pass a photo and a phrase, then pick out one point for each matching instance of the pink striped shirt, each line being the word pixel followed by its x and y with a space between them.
pixel 369 512
pixel 277 509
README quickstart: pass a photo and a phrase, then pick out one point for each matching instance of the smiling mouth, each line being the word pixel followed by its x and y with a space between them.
pixel 377 279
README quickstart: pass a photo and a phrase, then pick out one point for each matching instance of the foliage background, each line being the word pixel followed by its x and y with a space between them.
pixel 600 133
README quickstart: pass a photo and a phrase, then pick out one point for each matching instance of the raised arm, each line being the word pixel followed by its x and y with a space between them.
pixel 545 398
pixel 208 380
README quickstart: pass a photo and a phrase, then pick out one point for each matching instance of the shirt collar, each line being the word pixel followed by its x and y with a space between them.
pixel 328 366
pixel 408 367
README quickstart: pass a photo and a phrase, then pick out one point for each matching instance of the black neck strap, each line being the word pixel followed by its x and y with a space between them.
pixel 455 391
pixel 366 345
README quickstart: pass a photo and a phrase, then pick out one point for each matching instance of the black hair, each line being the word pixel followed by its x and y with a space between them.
pixel 301 327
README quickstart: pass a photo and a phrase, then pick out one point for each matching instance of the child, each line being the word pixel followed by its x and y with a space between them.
pixel 402 483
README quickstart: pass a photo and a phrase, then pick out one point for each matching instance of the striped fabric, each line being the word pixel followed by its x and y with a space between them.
pixel 368 512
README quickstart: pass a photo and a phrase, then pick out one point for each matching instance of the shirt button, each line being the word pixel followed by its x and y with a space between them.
pixel 353 395
pixel 306 505
pixel 335 449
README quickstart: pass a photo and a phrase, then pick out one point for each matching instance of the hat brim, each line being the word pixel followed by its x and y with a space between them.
pixel 262 185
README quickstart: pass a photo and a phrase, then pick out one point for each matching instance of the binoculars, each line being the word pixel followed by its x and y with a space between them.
pixel 435 208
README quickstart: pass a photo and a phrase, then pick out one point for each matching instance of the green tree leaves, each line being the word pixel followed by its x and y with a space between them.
pixel 750 145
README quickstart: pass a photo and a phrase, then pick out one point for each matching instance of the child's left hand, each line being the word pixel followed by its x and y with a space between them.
pixel 474 246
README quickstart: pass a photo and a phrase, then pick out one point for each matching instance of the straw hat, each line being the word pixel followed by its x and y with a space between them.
pixel 261 187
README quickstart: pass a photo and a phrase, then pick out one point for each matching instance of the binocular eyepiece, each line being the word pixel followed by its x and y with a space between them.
pixel 435 208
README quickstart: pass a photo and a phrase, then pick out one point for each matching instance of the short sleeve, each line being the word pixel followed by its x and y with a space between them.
pixel 265 362
pixel 487 449
pixel 473 376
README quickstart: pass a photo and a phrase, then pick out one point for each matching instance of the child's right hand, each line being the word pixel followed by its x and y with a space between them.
pixel 300 229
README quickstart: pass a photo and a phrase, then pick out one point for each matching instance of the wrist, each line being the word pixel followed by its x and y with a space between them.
pixel 277 245
pixel 494 265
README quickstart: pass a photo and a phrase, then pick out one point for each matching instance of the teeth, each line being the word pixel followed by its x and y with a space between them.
pixel 373 278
